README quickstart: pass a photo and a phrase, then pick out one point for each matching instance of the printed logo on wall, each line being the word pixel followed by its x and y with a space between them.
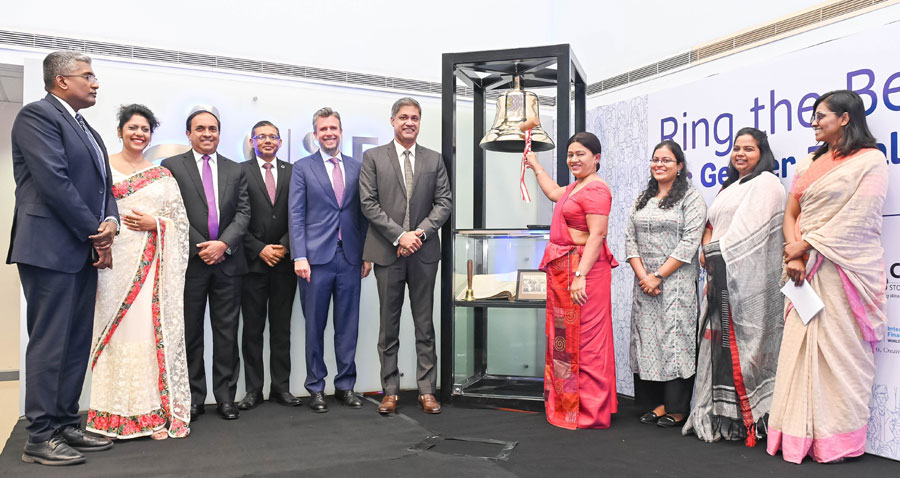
pixel 776 96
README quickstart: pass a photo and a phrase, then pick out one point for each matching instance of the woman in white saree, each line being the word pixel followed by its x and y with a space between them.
pixel 832 232
pixel 741 321
pixel 139 382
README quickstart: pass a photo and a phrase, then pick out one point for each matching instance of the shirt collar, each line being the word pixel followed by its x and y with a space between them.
pixel 66 105
pixel 326 157
pixel 199 157
pixel 401 149
pixel 260 162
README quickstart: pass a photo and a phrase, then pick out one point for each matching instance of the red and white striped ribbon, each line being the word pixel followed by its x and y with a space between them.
pixel 522 187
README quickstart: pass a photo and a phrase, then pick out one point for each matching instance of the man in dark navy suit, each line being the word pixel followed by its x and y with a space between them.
pixel 64 224
pixel 270 284
pixel 327 235
pixel 214 190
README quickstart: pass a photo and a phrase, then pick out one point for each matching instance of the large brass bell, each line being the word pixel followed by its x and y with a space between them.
pixel 515 107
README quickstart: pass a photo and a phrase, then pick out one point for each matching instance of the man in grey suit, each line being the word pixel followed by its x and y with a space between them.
pixel 405 194
pixel 214 190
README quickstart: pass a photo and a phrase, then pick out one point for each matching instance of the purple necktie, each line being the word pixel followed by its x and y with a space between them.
pixel 212 221
pixel 337 178
pixel 270 181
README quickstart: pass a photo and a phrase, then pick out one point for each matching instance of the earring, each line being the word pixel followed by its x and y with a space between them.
pixel 678 173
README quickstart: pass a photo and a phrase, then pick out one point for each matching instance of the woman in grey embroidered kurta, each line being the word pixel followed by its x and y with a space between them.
pixel 662 240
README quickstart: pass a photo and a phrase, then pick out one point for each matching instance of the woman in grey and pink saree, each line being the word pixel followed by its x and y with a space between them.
pixel 832 232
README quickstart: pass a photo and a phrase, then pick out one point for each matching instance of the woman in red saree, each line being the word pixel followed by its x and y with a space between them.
pixel 832 233
pixel 580 370
pixel 139 383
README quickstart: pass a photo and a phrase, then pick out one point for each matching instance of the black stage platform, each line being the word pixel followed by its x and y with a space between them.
pixel 276 441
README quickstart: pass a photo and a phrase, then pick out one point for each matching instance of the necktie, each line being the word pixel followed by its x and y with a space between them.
pixel 99 154
pixel 337 180
pixel 408 178
pixel 270 181
pixel 212 221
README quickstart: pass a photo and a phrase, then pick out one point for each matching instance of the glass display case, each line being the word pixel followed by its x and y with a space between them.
pixel 492 331
pixel 498 330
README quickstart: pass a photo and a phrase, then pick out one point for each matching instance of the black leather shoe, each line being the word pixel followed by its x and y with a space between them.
pixel 227 411
pixel 251 400
pixel 649 417
pixel 348 398
pixel 668 421
pixel 54 452
pixel 317 403
pixel 197 409
pixel 285 398
pixel 80 440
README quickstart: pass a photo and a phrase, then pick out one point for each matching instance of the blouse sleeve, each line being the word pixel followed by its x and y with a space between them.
pixel 595 199
pixel 694 210
pixel 631 246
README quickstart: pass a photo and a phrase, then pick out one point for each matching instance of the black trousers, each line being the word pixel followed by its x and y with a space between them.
pixel 392 283
pixel 201 283
pixel 269 295
pixel 674 394
pixel 60 322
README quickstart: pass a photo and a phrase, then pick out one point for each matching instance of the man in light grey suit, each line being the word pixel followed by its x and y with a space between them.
pixel 405 194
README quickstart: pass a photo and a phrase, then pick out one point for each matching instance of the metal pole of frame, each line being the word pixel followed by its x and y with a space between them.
pixel 448 151
pixel 563 112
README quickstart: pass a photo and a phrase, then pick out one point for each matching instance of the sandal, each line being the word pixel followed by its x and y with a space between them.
pixel 668 421
pixel 649 417
pixel 160 435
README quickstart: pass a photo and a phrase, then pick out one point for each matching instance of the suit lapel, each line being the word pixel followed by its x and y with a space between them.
pixel 420 163
pixel 284 180
pixel 191 165
pixel 258 180
pixel 395 163
pixel 319 171
pixel 224 169
pixel 78 130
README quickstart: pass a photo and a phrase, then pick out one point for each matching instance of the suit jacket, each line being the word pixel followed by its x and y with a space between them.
pixel 382 193
pixel 268 222
pixel 60 189
pixel 233 202
pixel 315 216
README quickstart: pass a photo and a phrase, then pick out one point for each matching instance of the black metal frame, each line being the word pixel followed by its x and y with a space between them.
pixel 535 67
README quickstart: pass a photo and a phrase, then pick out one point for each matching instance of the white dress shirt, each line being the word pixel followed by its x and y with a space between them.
pixel 412 162
pixel 329 166
pixel 214 165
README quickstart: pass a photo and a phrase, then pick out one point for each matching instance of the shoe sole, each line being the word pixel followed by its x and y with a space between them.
pixel 36 459
pixel 320 410
pixel 92 448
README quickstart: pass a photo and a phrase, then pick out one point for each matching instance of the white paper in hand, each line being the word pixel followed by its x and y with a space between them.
pixel 805 300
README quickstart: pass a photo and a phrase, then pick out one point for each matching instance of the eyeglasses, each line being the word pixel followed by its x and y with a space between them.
pixel 263 137
pixel 819 116
pixel 666 161
pixel 87 76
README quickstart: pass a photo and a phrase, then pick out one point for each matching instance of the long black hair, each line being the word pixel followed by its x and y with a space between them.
pixel 856 134
pixel 679 187
pixel 766 157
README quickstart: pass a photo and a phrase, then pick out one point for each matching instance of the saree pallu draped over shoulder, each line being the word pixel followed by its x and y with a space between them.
pixel 580 369
pixel 138 362
pixel 826 367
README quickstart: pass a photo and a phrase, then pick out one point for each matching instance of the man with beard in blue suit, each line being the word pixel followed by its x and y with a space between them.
pixel 327 233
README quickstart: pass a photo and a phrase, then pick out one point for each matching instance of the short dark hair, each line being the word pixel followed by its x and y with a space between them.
pixel 126 112
pixel 261 124
pixel 589 141
pixel 856 134
pixel 325 113
pixel 405 101
pixel 766 157
pixel 187 124
pixel 60 63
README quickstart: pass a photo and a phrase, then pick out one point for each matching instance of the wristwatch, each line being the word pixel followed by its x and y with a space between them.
pixel 577 273
pixel 658 275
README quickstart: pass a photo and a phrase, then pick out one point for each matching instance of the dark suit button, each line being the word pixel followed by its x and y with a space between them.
pixel 100 192
pixel 273 217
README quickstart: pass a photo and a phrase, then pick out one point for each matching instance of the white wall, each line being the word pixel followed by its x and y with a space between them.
pixel 404 39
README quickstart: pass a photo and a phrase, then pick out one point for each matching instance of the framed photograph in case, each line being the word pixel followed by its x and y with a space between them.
pixel 531 285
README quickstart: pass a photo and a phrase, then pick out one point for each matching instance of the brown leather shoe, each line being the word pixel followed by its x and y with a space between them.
pixel 429 403
pixel 388 405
